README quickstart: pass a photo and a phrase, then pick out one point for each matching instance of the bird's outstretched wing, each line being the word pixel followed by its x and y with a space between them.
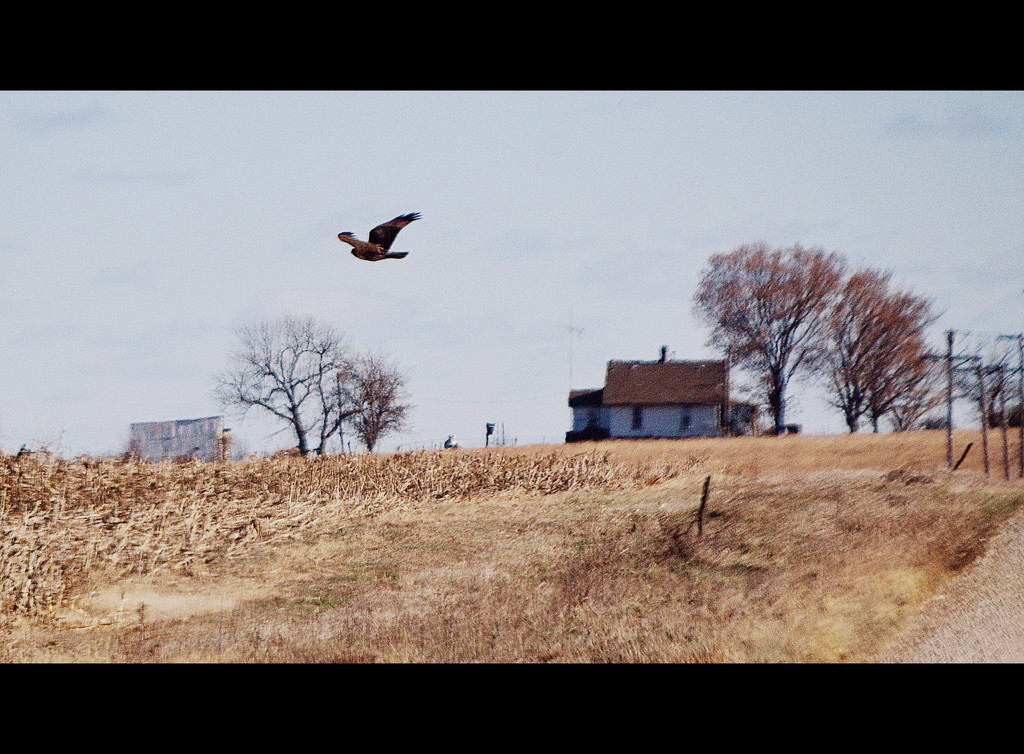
pixel 384 234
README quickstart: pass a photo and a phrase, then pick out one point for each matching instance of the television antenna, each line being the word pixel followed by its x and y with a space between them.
pixel 573 331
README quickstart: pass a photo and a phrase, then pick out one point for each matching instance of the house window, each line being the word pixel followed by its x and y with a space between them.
pixel 638 417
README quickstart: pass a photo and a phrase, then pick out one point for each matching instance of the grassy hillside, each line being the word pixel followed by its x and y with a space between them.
pixel 813 549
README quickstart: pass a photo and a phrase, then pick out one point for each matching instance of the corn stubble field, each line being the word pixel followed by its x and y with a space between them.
pixel 811 549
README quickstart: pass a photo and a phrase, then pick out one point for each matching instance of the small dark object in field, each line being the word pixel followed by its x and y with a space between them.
pixel 966 451
pixel 907 477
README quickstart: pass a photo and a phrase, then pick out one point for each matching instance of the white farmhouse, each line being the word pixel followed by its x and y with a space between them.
pixel 659 399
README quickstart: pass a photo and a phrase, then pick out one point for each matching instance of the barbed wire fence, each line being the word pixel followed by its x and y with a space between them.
pixel 987 369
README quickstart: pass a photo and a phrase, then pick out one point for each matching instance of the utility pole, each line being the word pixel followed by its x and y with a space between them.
pixel 728 398
pixel 1020 401
pixel 1019 337
pixel 984 413
pixel 1003 430
pixel 951 367
pixel 949 398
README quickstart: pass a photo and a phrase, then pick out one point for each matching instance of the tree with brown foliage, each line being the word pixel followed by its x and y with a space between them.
pixel 923 390
pixel 873 345
pixel 897 375
pixel 377 393
pixel 766 308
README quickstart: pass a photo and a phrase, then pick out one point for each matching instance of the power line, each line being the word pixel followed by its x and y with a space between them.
pixel 503 400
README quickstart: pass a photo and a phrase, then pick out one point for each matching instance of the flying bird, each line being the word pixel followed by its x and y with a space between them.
pixel 381 238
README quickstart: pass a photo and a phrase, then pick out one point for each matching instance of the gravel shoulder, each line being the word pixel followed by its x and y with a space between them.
pixel 978 617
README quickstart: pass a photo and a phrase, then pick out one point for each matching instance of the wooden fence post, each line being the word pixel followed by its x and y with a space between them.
pixel 703 506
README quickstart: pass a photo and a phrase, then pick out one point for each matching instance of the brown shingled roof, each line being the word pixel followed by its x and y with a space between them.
pixel 585 397
pixel 645 382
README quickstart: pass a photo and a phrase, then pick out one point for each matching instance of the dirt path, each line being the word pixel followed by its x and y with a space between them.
pixel 979 617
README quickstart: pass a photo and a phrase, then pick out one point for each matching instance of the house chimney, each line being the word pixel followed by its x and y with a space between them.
pixel 664 354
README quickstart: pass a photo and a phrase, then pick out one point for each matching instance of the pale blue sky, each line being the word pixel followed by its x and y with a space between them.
pixel 138 229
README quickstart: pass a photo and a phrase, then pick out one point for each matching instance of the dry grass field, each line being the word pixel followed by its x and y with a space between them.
pixel 810 549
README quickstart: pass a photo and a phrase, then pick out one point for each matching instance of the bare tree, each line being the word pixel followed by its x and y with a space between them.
pixel 766 308
pixel 873 351
pixel 293 368
pixel 377 394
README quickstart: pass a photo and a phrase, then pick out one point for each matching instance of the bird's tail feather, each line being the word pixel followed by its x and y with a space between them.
pixel 396 254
